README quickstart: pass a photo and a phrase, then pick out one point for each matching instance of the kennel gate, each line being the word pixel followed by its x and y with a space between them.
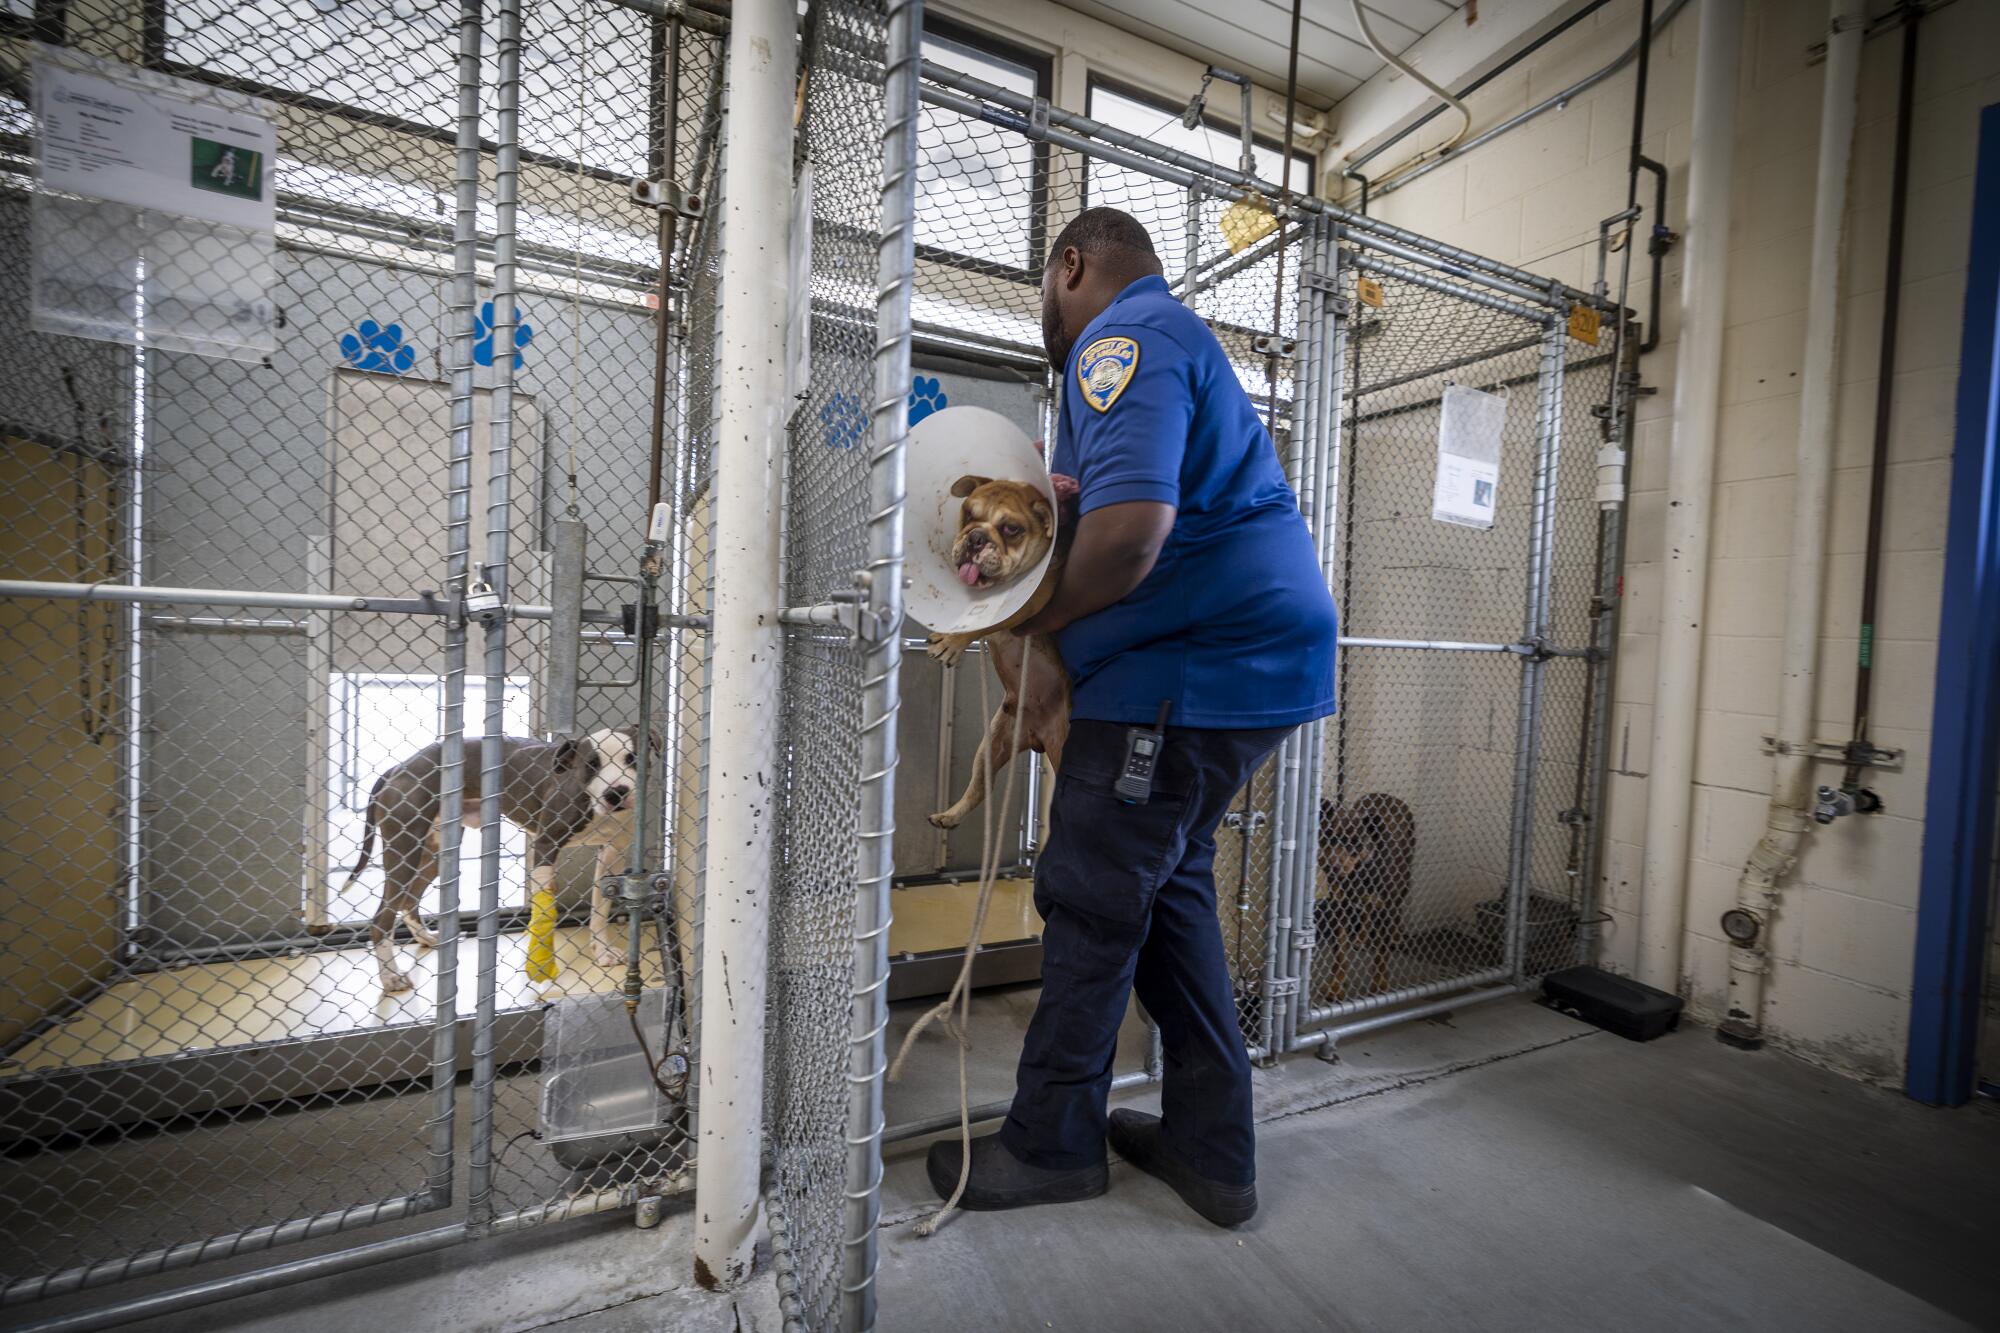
pixel 230 599
pixel 1476 664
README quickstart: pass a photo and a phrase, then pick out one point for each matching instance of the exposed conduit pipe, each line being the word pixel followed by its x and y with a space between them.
pixel 1790 812
pixel 1397 62
pixel 1691 471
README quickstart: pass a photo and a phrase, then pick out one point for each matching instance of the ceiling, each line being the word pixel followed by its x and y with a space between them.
pixel 1254 36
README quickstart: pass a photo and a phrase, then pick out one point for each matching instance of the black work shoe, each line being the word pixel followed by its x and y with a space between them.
pixel 1001 1180
pixel 1135 1136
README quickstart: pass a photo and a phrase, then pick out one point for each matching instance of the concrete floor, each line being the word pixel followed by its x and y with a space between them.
pixel 1504 1169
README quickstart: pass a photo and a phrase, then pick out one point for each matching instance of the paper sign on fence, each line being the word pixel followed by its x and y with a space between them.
pixel 155 223
pixel 1468 471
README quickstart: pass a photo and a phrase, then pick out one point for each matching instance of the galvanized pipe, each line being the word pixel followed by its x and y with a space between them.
pixel 1300 812
pixel 335 1262
pixel 1450 1004
pixel 563 667
pixel 459 315
pixel 213 1248
pixel 1528 729
pixel 881 659
pixel 241 597
pixel 1281 982
pixel 938 1124
pixel 1109 144
pixel 1369 264
pixel 1325 370
pixel 499 511
pixel 1368 1004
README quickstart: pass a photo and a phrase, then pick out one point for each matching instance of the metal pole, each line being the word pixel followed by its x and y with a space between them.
pixel 1323 447
pixel 1528 732
pixel 1296 856
pixel 882 657
pixel 746 645
pixel 1109 144
pixel 458 543
pixel 499 476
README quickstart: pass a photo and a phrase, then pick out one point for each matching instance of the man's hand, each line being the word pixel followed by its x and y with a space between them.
pixel 1115 549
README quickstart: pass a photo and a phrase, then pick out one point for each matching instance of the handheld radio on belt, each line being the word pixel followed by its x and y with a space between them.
pixel 1142 759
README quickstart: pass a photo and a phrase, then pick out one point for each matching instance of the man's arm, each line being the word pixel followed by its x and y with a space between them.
pixel 1115 549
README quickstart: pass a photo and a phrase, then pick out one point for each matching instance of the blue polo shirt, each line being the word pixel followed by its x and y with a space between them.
pixel 1234 625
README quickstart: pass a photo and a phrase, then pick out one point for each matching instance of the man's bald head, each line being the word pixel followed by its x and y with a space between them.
pixel 1100 253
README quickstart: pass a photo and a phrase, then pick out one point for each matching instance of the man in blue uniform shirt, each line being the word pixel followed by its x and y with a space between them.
pixel 1192 585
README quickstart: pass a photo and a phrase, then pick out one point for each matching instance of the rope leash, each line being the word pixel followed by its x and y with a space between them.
pixel 961 989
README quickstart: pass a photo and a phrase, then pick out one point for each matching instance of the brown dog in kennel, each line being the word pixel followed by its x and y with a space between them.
pixel 1366 851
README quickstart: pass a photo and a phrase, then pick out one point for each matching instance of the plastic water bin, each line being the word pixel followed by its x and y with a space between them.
pixel 598 1097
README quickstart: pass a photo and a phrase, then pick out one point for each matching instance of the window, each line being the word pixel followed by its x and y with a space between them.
pixel 979 186
pixel 1161 205
pixel 393 61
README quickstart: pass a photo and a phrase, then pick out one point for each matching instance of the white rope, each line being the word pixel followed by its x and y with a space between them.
pixel 961 989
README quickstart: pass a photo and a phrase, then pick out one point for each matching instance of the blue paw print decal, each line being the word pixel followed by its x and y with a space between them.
pixel 482 328
pixel 844 420
pixel 378 348
pixel 926 397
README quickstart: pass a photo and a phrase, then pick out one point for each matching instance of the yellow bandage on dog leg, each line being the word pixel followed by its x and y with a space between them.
pixel 542 965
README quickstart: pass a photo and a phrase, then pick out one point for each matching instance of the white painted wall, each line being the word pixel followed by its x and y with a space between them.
pixel 1845 933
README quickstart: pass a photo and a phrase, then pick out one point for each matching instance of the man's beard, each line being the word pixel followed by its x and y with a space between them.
pixel 1056 338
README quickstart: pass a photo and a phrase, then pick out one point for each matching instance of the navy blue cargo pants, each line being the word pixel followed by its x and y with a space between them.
pixel 1127 897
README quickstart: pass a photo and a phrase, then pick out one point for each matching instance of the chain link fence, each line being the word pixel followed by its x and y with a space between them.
pixel 1437 835
pixel 233 585
pixel 252 561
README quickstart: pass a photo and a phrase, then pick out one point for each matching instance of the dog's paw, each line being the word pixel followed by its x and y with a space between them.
pixel 946 648
pixel 421 933
pixel 608 957
pixel 392 982
pixel 943 819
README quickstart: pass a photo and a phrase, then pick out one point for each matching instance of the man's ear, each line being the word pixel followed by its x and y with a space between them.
pixel 1072 267
pixel 965 486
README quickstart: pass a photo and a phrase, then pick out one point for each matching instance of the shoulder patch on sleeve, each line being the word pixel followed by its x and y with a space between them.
pixel 1104 368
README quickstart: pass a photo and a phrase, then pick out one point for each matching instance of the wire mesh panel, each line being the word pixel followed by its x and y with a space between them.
pixel 826 511
pixel 990 201
pixel 203 1053
pixel 1418 784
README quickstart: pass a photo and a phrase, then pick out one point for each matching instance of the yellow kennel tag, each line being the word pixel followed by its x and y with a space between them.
pixel 1104 369
pixel 1583 323
pixel 1368 291
pixel 1246 222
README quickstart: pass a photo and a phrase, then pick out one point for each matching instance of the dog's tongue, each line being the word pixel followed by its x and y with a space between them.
pixel 968 574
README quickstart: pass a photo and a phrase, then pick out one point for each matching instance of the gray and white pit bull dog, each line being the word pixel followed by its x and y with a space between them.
pixel 572 793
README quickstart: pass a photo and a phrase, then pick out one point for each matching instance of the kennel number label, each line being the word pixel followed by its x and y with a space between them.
pixel 156 143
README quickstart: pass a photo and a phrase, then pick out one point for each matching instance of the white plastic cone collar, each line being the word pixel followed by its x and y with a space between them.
pixel 946 445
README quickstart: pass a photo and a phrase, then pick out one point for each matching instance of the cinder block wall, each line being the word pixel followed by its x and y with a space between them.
pixel 1846 931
